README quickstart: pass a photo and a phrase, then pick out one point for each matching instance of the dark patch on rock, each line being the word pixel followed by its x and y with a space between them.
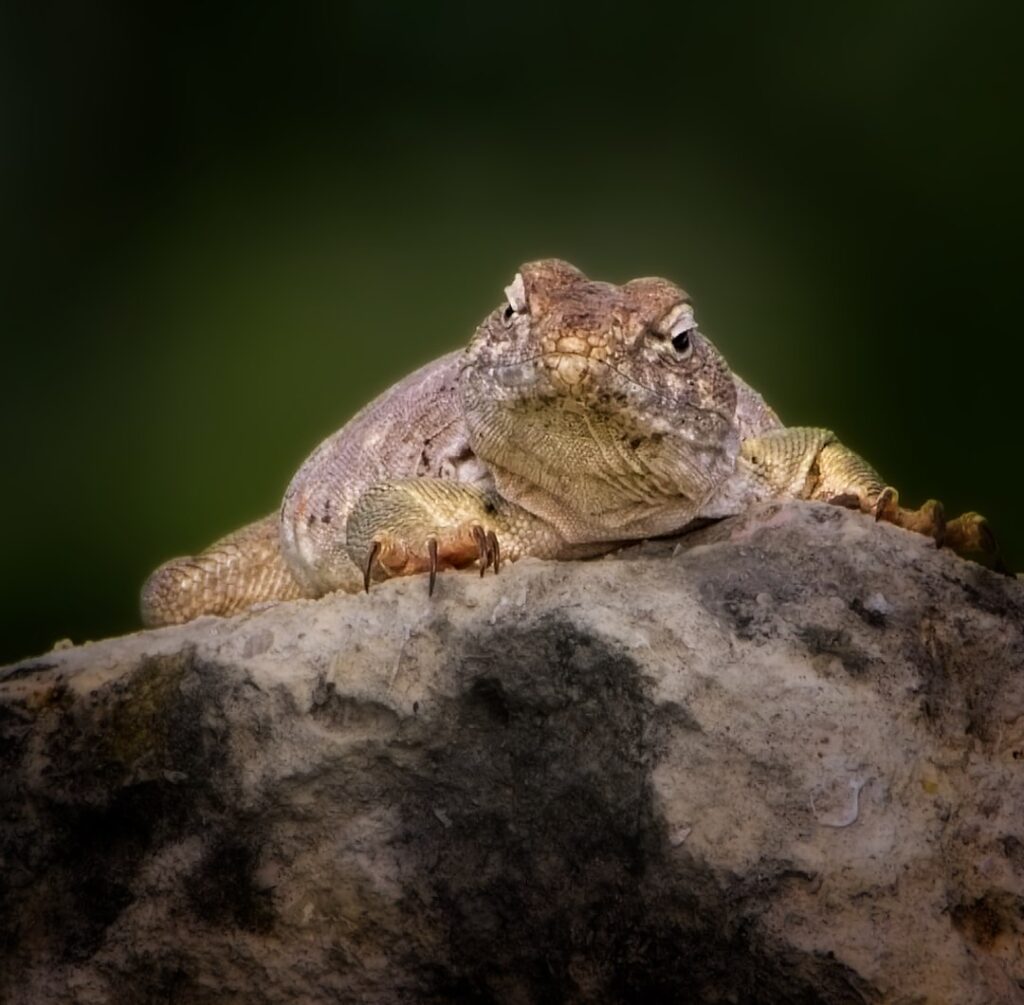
pixel 548 874
pixel 983 920
pixel 827 641
pixel 352 716
pixel 927 655
pixel 486 701
pixel 222 890
pixel 955 699
pixel 107 804
pixel 674 715
pixel 26 670
pixel 166 978
pixel 986 590
pixel 870 616
pixel 1013 847
pixel 825 514
pixel 108 847
pixel 746 596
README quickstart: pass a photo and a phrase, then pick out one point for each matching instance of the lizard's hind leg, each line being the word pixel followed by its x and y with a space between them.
pixel 239 570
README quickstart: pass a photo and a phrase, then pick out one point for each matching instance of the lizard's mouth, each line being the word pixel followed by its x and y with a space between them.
pixel 574 380
pixel 565 372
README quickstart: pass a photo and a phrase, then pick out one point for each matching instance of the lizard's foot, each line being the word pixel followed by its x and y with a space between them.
pixel 455 549
pixel 929 519
pixel 969 535
pixel 419 525
pixel 884 506
pixel 843 477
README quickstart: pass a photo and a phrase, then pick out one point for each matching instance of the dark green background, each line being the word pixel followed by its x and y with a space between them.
pixel 226 228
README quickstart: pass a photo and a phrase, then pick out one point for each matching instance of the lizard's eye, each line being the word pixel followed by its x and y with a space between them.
pixel 680 334
pixel 681 342
pixel 678 328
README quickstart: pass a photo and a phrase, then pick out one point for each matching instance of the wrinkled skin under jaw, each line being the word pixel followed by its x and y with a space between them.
pixel 602 459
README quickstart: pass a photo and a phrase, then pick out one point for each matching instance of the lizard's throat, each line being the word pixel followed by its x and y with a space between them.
pixel 593 474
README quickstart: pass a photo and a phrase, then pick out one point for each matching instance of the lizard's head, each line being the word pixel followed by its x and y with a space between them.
pixel 600 397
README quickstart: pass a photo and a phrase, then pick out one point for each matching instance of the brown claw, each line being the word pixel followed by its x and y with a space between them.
pixel 374 550
pixel 887 505
pixel 483 552
pixel 488 550
pixel 432 552
pixel 492 540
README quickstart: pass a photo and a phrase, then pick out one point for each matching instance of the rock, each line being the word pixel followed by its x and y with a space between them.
pixel 780 761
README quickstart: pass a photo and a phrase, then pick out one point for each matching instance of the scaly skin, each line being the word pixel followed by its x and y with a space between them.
pixel 582 415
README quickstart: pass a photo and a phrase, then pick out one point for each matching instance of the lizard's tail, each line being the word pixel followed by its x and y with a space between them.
pixel 239 570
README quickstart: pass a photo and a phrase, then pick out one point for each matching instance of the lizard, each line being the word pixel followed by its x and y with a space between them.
pixel 581 416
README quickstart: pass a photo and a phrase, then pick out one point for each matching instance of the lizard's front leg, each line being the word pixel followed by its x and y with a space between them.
pixel 809 463
pixel 407 526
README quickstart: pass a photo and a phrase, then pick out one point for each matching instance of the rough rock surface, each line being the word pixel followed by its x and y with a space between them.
pixel 782 764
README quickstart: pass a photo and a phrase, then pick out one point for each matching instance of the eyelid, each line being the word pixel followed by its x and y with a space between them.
pixel 679 320
pixel 516 294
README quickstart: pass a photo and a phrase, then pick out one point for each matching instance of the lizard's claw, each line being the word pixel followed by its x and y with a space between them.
pixel 929 519
pixel 488 549
pixel 887 505
pixel 368 568
pixel 432 553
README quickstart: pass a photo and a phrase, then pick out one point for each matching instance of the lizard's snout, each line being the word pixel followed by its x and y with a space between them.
pixel 568 372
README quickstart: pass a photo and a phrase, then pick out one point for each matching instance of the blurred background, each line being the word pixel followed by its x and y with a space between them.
pixel 225 228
